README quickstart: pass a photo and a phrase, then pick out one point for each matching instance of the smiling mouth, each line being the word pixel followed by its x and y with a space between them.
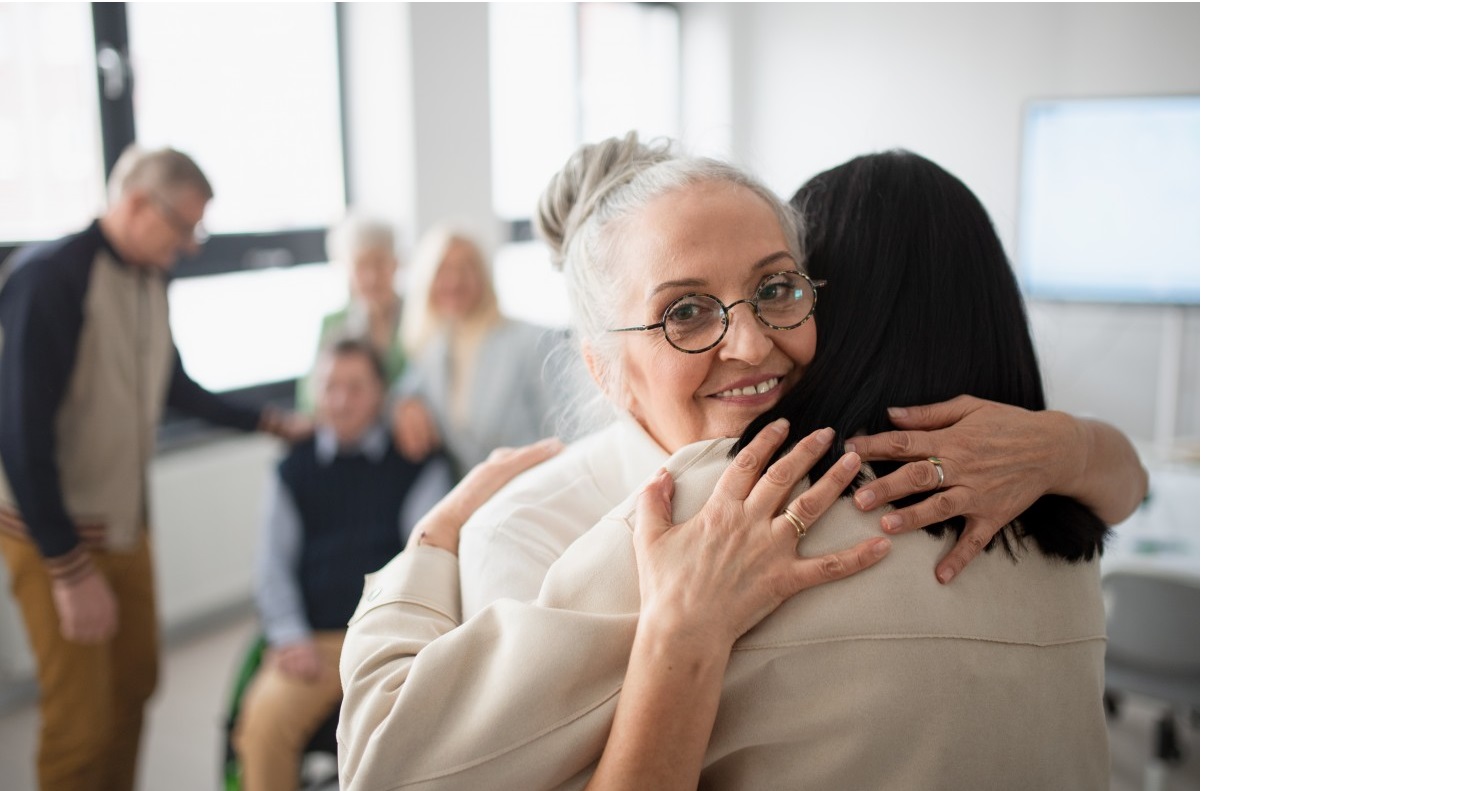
pixel 755 389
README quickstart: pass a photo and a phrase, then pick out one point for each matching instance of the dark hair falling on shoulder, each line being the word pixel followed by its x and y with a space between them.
pixel 921 306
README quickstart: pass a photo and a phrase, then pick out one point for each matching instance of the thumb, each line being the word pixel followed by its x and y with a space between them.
pixel 935 416
pixel 654 506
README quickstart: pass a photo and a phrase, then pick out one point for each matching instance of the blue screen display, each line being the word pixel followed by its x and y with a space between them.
pixel 1109 200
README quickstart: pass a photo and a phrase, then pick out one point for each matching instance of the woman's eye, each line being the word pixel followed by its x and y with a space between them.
pixel 775 292
pixel 685 313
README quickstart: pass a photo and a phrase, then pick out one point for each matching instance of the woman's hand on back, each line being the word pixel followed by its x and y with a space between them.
pixel 440 527
pixel 721 572
pixel 996 459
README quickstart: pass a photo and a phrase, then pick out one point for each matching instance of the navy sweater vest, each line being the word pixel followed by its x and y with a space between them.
pixel 351 516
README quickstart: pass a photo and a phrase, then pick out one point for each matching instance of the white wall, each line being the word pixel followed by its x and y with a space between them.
pixel 207 505
pixel 417 104
pixel 788 89
pixel 813 85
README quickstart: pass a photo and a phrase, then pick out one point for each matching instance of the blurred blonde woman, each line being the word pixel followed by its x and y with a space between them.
pixel 476 380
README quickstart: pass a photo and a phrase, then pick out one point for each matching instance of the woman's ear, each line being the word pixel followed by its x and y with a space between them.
pixel 597 369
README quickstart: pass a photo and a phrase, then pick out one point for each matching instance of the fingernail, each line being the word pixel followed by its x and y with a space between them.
pixel 851 461
pixel 892 522
pixel 825 436
pixel 881 547
pixel 864 499
pixel 849 447
pixel 944 574
pixel 897 411
pixel 781 426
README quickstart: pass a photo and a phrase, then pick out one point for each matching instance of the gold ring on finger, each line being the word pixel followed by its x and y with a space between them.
pixel 941 477
pixel 800 527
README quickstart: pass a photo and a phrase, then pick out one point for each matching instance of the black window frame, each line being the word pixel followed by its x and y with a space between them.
pixel 522 229
pixel 222 253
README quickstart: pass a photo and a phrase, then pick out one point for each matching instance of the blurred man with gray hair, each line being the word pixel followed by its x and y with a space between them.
pixel 87 365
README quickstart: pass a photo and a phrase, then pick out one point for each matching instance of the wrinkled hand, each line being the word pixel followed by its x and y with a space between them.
pixel 996 459
pixel 441 526
pixel 413 430
pixel 736 560
pixel 300 661
pixel 87 609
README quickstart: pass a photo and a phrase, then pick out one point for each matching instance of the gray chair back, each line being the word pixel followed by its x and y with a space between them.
pixel 1153 624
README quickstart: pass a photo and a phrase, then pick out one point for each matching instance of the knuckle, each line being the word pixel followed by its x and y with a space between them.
pixel 975 538
pixel 922 475
pixel 901 441
pixel 780 474
pixel 832 567
pixel 804 511
pixel 746 460
pixel 943 503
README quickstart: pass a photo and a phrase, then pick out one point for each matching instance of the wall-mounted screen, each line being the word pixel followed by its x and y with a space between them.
pixel 1109 200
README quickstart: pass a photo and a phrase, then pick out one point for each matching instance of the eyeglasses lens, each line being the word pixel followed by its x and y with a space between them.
pixel 697 322
pixel 693 322
pixel 784 300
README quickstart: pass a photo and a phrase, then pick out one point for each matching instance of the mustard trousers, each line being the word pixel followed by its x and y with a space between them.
pixel 92 696
pixel 279 714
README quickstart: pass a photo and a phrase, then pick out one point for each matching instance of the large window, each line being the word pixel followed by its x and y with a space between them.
pixel 48 78
pixel 563 74
pixel 253 92
pixel 250 91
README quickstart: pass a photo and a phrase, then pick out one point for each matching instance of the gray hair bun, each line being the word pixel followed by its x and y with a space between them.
pixel 591 174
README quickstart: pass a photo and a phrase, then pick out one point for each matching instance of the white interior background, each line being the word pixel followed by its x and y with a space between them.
pixel 787 90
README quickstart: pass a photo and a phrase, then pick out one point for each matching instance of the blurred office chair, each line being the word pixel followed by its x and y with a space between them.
pixel 1153 649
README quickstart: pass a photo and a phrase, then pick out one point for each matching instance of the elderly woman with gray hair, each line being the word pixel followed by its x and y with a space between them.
pixel 521 693
pixel 367 249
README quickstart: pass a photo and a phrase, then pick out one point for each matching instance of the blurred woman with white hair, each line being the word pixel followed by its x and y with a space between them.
pixel 367 249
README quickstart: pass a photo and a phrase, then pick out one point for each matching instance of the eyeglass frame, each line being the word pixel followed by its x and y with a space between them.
pixel 196 233
pixel 815 286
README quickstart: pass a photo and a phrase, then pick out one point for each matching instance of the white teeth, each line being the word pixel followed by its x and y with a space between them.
pixel 763 387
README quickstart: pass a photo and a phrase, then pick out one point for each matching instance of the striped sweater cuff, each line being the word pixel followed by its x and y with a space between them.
pixel 72 567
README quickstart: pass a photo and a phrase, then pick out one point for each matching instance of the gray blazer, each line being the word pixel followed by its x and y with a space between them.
pixel 513 393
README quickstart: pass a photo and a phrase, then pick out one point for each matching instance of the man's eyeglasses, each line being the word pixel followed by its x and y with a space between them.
pixel 695 323
pixel 197 232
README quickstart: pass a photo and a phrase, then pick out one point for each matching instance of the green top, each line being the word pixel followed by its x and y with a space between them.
pixel 343 324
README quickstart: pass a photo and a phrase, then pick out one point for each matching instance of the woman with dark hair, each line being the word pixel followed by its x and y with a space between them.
pixel 936 314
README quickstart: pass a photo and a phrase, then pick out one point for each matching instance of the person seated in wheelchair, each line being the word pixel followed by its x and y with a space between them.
pixel 341 505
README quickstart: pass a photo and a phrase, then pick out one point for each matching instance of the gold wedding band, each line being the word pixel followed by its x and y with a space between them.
pixel 800 527
pixel 941 477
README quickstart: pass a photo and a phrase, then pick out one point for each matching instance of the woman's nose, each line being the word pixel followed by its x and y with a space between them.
pixel 747 339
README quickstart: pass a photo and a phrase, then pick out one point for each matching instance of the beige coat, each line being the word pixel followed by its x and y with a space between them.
pixel 884 680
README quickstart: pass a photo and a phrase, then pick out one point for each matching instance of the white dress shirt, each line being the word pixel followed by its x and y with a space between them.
pixel 509 543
